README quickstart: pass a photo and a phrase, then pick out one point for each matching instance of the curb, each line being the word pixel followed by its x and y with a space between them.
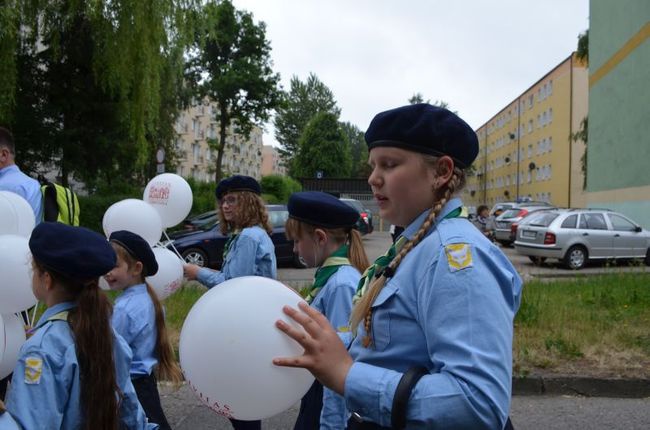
pixel 581 386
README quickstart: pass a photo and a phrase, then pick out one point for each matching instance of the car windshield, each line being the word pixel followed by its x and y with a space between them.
pixel 510 213
pixel 541 219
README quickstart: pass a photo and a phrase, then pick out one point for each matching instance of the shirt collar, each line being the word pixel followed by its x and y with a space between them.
pixel 414 226
pixel 8 169
pixel 134 289
pixel 53 310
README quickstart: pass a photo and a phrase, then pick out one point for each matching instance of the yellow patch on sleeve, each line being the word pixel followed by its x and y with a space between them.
pixel 33 370
pixel 459 256
pixel 343 329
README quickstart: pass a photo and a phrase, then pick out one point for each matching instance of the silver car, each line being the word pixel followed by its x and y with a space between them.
pixel 503 231
pixel 577 235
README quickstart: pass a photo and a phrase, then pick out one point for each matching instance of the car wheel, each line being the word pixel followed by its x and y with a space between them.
pixel 537 261
pixel 505 243
pixel 576 257
pixel 647 257
pixel 195 256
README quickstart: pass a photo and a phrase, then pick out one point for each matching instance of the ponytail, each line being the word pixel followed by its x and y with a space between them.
pixel 167 369
pixel 363 309
pixel 357 253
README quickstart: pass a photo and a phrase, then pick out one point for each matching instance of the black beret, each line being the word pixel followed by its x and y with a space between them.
pixel 138 248
pixel 426 129
pixel 237 183
pixel 73 251
pixel 321 209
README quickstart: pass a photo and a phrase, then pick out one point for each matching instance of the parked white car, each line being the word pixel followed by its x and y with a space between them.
pixel 576 236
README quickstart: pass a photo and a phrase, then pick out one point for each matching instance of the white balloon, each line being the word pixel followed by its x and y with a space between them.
pixel 135 216
pixel 227 345
pixel 24 214
pixel 170 273
pixel 15 268
pixel 8 215
pixel 14 333
pixel 171 195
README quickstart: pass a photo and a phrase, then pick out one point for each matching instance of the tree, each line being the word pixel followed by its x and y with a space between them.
pixel 231 64
pixel 583 47
pixel 358 150
pixel 323 147
pixel 93 104
pixel 300 104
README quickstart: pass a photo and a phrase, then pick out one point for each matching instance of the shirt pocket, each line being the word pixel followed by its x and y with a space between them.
pixel 381 316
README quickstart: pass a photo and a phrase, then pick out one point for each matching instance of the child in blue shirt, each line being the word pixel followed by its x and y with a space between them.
pixel 249 250
pixel 322 228
pixel 73 372
pixel 433 318
pixel 139 318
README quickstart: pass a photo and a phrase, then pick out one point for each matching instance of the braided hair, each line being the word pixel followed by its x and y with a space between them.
pixel 363 309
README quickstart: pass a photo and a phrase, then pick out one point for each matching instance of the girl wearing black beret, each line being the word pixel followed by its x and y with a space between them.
pixel 73 372
pixel 433 319
pixel 322 228
pixel 139 318
pixel 249 250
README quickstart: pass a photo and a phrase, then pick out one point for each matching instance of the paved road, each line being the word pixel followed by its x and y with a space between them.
pixel 185 412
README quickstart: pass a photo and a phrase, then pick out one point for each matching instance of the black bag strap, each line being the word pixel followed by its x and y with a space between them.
pixel 403 394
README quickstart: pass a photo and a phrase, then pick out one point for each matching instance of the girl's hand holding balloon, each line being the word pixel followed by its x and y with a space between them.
pixel 325 355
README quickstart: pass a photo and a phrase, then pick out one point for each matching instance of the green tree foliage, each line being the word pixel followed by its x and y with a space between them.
pixel 279 187
pixel 89 80
pixel 231 63
pixel 582 135
pixel 358 150
pixel 583 47
pixel 300 104
pixel 323 147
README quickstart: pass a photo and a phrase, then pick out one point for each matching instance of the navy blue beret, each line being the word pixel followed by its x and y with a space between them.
pixel 321 209
pixel 138 248
pixel 237 183
pixel 73 251
pixel 426 129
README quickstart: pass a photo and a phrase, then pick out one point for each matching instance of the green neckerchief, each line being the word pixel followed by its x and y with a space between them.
pixel 229 243
pixel 376 269
pixel 328 268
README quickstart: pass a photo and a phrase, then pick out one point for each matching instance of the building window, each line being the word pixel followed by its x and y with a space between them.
pixel 530 126
pixel 550 87
pixel 550 144
pixel 550 115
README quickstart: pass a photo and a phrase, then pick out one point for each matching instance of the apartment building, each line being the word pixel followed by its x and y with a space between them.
pixel 195 127
pixel 525 150
pixel 271 162
pixel 619 91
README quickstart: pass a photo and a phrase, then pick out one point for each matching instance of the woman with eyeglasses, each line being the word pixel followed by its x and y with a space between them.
pixel 249 250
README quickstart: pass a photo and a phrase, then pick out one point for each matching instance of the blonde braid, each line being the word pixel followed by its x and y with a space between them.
pixel 363 309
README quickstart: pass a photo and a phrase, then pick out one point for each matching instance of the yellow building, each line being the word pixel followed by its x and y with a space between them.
pixel 272 162
pixel 526 150
pixel 195 126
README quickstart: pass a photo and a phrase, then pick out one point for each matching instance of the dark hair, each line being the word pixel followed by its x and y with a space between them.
pixel 167 369
pixel 481 209
pixel 93 338
pixel 7 140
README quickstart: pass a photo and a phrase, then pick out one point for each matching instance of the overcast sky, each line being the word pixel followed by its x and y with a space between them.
pixel 477 55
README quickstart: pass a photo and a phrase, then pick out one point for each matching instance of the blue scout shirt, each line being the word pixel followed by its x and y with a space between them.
pixel 12 179
pixel 45 389
pixel 7 422
pixel 334 301
pixel 449 307
pixel 251 254
pixel 134 318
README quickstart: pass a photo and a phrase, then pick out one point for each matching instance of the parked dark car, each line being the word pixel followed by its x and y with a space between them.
pixel 364 224
pixel 200 221
pixel 204 247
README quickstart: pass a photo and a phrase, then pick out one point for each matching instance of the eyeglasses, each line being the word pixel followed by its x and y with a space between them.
pixel 228 200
